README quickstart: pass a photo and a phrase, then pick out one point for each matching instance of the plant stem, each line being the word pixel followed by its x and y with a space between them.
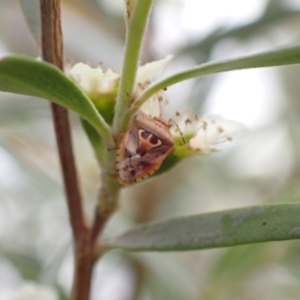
pixel 136 20
pixel 136 24
pixel 52 50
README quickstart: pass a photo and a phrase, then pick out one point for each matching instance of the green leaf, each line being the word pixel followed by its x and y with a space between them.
pixel 213 230
pixel 21 75
pixel 287 55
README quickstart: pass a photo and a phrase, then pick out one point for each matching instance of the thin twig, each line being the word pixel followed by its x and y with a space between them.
pixel 52 51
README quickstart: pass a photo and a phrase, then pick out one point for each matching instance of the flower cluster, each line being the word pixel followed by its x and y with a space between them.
pixel 100 86
pixel 192 135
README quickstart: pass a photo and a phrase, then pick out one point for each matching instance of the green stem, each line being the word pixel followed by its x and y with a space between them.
pixel 136 24
pixel 107 199
pixel 282 56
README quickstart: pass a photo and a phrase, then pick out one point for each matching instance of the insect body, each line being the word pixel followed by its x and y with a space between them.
pixel 143 148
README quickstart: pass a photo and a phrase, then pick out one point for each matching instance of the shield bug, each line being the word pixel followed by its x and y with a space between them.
pixel 143 148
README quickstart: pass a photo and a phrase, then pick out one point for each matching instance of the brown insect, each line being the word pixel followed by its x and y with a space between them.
pixel 143 148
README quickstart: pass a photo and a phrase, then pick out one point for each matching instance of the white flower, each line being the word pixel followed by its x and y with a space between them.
pixel 215 130
pixel 152 107
pixel 94 81
pixel 145 74
pixel 204 134
pixel 33 291
pixel 97 81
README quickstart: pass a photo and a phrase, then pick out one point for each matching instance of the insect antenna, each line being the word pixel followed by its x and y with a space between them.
pixel 180 132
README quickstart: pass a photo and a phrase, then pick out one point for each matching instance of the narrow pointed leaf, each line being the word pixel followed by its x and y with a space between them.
pixel 287 55
pixel 213 230
pixel 21 75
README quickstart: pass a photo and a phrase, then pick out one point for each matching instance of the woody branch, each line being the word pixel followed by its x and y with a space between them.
pixel 52 50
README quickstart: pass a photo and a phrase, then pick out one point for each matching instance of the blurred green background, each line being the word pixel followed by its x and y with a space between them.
pixel 262 165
